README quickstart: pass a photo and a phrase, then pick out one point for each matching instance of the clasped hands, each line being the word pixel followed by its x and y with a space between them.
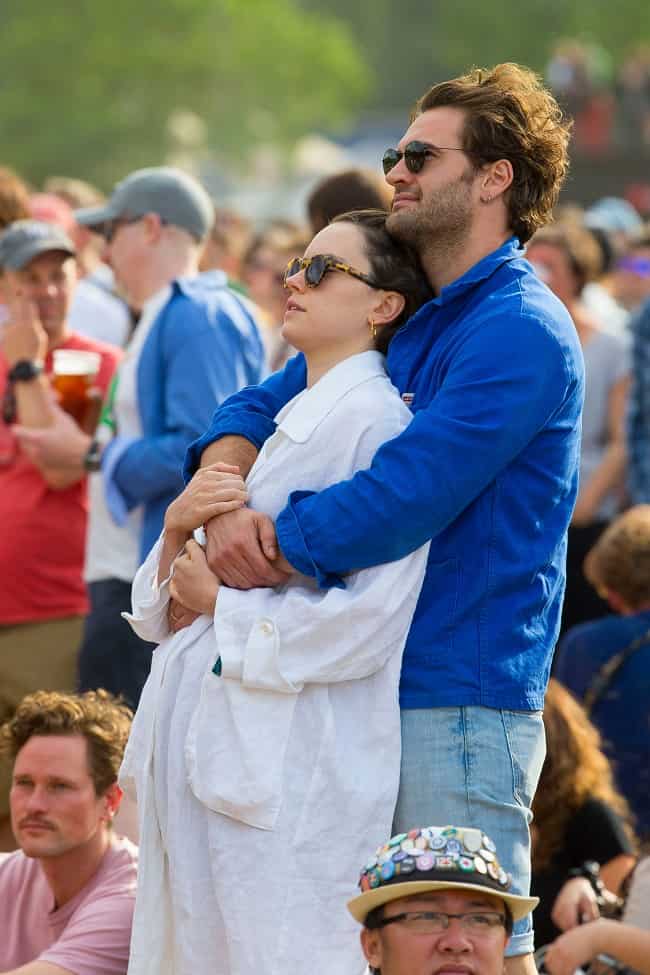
pixel 242 550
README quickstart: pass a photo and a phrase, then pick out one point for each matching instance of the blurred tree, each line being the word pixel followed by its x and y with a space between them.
pixel 414 43
pixel 88 87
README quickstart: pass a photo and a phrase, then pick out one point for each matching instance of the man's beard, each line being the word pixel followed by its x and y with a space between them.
pixel 442 221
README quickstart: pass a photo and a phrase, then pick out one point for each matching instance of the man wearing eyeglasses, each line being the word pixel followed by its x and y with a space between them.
pixel 436 900
pixel 487 469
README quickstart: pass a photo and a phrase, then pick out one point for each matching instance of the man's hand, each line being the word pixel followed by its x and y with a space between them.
pixel 574 948
pixel 212 491
pixel 62 444
pixel 23 336
pixel 192 583
pixel 575 904
pixel 243 550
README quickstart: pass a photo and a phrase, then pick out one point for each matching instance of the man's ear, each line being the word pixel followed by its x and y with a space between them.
pixel 497 178
pixel 153 227
pixel 112 800
pixel 371 945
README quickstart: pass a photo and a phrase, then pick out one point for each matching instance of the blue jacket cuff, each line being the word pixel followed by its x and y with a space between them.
pixel 294 547
pixel 253 427
pixel 117 504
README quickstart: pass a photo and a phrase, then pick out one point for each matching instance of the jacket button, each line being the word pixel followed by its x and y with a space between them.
pixel 267 628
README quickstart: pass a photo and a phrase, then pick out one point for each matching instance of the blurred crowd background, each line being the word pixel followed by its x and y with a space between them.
pixel 283 112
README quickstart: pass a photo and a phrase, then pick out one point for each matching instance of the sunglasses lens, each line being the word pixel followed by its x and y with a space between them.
pixel 315 270
pixel 390 160
pixel 293 267
pixel 415 157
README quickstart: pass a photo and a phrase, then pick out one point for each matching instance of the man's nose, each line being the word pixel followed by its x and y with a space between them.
pixel 399 174
pixel 454 938
pixel 37 799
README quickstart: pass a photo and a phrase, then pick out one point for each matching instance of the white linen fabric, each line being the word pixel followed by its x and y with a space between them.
pixel 262 791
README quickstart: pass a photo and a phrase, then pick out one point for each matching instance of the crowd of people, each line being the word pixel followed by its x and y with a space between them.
pixel 288 513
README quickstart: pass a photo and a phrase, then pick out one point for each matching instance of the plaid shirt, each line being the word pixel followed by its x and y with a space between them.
pixel 639 412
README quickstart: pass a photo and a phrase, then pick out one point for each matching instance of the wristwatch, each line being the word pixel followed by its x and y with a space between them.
pixel 25 370
pixel 93 458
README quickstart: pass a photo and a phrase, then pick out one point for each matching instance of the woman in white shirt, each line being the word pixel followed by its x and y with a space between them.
pixel 265 752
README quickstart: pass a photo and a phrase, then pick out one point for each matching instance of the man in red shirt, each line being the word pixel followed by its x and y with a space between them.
pixel 42 509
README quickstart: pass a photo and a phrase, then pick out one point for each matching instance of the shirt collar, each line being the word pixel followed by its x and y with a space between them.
pixel 480 271
pixel 300 416
pixel 189 285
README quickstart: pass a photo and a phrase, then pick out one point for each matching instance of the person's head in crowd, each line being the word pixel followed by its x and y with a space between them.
pixel 618 565
pixel 484 158
pixel 575 770
pixel 227 243
pixel 37 262
pixel 50 208
pixel 566 257
pixel 616 216
pixel 14 198
pixel 264 264
pixel 353 189
pixel 631 284
pixel 437 899
pixel 77 193
pixel 66 751
pixel 351 290
pixel 155 224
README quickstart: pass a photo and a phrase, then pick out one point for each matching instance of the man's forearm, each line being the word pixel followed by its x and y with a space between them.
pixel 231 450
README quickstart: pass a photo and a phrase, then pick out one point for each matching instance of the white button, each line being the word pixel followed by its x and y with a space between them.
pixel 266 627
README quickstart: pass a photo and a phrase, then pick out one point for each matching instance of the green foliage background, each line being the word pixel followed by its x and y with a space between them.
pixel 87 86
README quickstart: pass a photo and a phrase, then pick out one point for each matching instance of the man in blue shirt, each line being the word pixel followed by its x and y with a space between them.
pixel 487 469
pixel 618 566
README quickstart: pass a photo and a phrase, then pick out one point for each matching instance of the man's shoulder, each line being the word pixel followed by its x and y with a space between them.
pixel 207 301
pixel 120 865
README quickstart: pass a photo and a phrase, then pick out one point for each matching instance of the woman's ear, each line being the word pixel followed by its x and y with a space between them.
pixel 389 306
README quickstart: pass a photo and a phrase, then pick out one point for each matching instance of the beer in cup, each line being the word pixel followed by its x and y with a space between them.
pixel 73 379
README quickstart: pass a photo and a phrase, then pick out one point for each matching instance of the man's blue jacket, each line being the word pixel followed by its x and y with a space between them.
pixel 487 469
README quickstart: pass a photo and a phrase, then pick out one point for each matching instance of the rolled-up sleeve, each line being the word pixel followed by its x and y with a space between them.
pixel 496 397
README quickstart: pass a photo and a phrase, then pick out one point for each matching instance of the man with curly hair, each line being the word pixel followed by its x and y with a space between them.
pixel 487 469
pixel 67 895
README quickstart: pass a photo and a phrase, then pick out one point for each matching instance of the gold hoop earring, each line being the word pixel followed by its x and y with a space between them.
pixel 373 328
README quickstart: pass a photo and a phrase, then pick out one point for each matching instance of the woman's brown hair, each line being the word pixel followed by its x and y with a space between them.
pixel 575 769
pixel 510 115
pixel 394 266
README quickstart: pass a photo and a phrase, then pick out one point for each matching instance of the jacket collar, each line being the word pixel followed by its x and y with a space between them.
pixel 300 416
pixel 480 271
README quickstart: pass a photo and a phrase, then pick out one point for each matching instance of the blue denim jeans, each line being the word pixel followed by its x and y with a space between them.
pixel 475 766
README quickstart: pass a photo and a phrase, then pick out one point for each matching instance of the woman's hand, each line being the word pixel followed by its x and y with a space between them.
pixel 212 491
pixel 193 583
pixel 575 904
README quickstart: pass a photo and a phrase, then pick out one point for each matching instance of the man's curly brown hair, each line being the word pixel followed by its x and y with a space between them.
pixel 510 115
pixel 102 719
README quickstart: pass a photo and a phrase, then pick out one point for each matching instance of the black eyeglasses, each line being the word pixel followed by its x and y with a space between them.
pixel 415 155
pixel 434 922
pixel 316 268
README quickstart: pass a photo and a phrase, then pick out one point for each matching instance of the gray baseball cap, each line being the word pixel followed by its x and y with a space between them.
pixel 24 240
pixel 177 198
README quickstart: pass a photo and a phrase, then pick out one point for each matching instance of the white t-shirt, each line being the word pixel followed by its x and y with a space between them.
pixel 113 551
pixel 97 313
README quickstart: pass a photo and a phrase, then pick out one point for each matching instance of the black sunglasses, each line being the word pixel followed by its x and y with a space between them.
pixel 316 268
pixel 415 155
